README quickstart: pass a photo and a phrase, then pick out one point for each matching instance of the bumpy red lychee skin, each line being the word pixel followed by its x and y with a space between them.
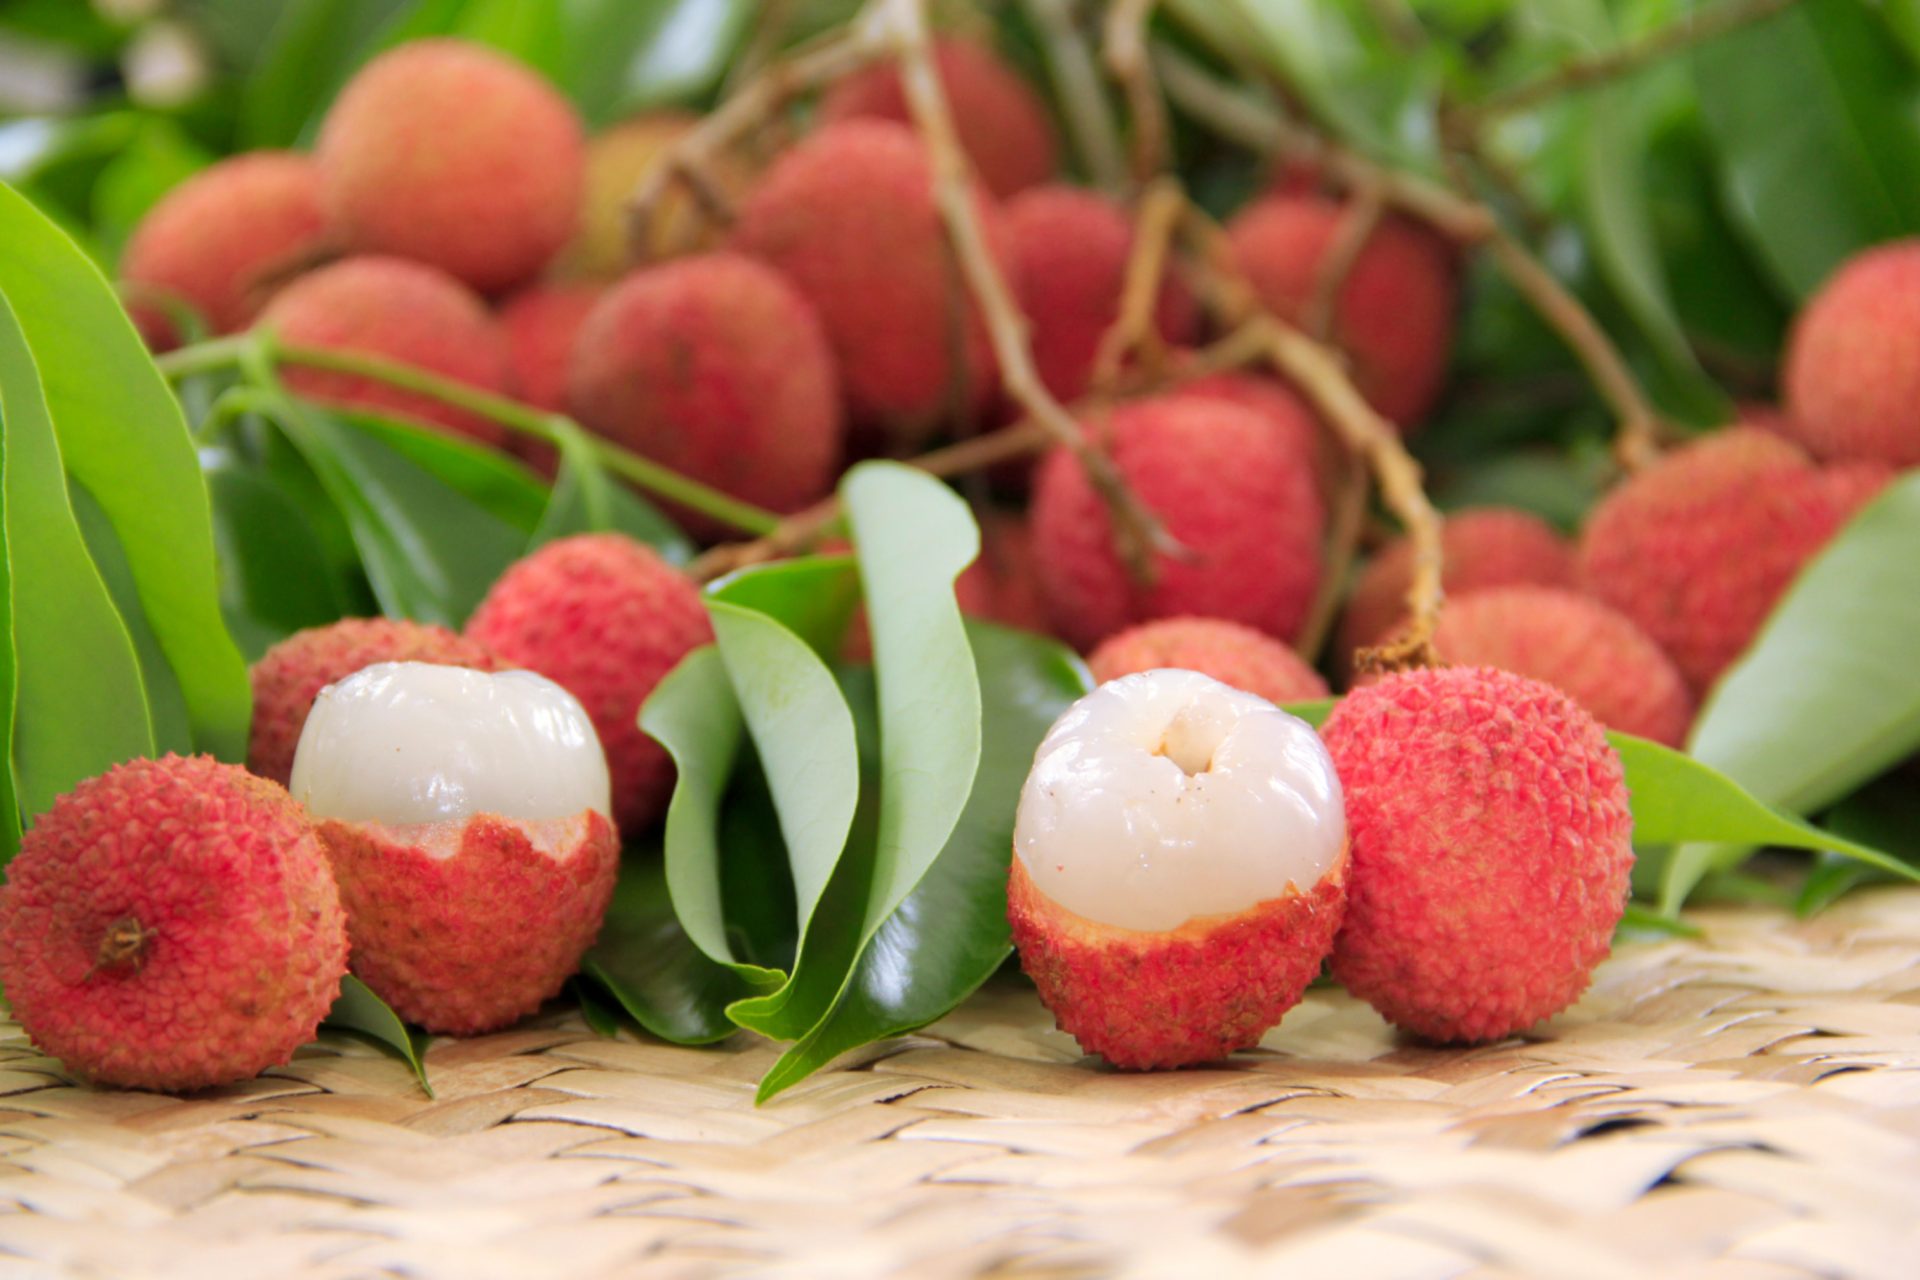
pixel 716 367
pixel 1578 645
pixel 1282 406
pixel 218 240
pixel 400 311
pixel 1147 1001
pixel 1699 548
pixel 848 216
pixel 1070 251
pixel 1003 125
pixel 604 618
pixel 1491 844
pixel 289 676
pixel 1394 314
pixel 1235 491
pixel 1852 373
pixel 451 154
pixel 172 925
pixel 541 324
pixel 1230 653
pixel 1482 547
pixel 470 928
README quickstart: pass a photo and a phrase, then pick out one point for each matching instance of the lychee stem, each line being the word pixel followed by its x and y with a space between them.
pixel 123 946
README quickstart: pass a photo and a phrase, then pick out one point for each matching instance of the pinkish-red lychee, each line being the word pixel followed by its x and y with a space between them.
pixel 1230 653
pixel 1852 372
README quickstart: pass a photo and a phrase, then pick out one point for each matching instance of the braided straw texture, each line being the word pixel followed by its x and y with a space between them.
pixel 1745 1105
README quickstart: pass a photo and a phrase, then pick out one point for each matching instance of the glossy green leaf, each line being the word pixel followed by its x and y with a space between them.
pixel 9 690
pixel 813 597
pixel 166 706
pixel 950 933
pixel 79 706
pixel 359 1010
pixel 1885 815
pixel 495 482
pixel 121 436
pixel 622 55
pixel 1811 115
pixel 275 574
pixel 585 499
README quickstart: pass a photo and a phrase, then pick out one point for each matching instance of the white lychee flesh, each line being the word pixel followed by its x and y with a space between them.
pixel 1167 795
pixel 410 743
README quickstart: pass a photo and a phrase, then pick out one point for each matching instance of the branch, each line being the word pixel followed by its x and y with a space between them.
pixel 1124 47
pixel 1357 223
pixel 1081 94
pixel 1349 518
pixel 1133 328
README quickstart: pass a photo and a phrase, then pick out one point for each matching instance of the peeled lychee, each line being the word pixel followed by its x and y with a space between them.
pixel 716 367
pixel 605 618
pixel 849 216
pixel 290 675
pixel 1230 653
pixel 1003 125
pixel 466 817
pixel 1852 372
pixel 1233 489
pixel 1593 653
pixel 1394 312
pixel 1700 547
pixel 171 924
pixel 1491 845
pixel 542 326
pixel 619 159
pixel 219 240
pixel 1179 868
pixel 1480 546
pixel 454 155
pixel 1070 251
pixel 400 311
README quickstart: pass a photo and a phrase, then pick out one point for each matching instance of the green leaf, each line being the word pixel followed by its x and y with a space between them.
pixel 585 499
pixel 1811 114
pixel 950 933
pixel 533 33
pixel 275 574
pixel 315 45
pixel 79 706
pixel 813 597
pixel 166 707
pixel 359 1010
pixel 622 55
pixel 495 482
pixel 121 436
pixel 1886 815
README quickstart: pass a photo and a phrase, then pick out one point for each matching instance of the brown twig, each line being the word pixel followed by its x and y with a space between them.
pixel 1124 49
pixel 1081 93
pixel 1347 521
pixel 1357 222
pixel 1134 328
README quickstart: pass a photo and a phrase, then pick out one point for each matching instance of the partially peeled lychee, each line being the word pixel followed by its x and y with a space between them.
pixel 1179 868
pixel 466 815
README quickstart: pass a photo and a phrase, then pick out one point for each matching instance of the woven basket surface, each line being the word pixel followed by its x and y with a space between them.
pixel 1747 1104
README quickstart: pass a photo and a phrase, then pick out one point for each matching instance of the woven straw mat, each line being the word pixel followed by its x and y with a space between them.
pixel 1744 1105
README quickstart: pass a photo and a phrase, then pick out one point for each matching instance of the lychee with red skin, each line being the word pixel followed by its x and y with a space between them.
pixel 172 925
pixel 1070 253
pixel 1234 490
pixel 1232 654
pixel 604 617
pixel 454 155
pixel 1281 405
pixel 290 675
pixel 619 159
pixel 1179 868
pixel 1593 653
pixel 716 367
pixel 1491 845
pixel 848 215
pixel 220 240
pixel 1003 124
pixel 1480 547
pixel 1698 548
pixel 1852 371
pixel 1393 314
pixel 465 815
pixel 396 310
pixel 541 324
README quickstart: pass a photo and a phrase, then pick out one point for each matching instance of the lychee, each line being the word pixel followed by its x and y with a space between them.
pixel 399 311
pixel 1491 845
pixel 1281 405
pixel 1002 585
pixel 716 367
pixel 1699 548
pixel 1852 373
pixel 1003 124
pixel 454 155
pixel 1480 547
pixel 849 216
pixel 219 240
pixel 1179 868
pixel 465 814
pixel 1234 490
pixel 171 924
pixel 1232 654
pixel 1394 313
pixel 289 676
pixel 541 324
pixel 1070 252
pixel 605 618
pixel 619 159
pixel 1593 653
